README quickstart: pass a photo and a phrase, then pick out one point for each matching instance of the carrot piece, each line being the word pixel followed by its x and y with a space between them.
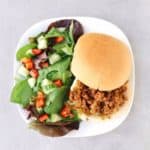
pixel 29 65
pixel 58 83
pixel 34 73
pixel 36 51
pixel 43 118
pixel 40 99
pixel 59 39
pixel 39 103
pixel 65 112
pixel 26 60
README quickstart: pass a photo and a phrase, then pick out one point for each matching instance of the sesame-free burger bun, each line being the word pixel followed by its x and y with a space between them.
pixel 101 61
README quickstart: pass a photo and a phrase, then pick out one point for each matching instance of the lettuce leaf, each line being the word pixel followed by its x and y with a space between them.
pixel 64 76
pixel 56 99
pixel 54 32
pixel 59 66
pixel 21 93
pixel 22 51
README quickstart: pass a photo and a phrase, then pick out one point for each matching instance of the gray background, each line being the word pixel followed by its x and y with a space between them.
pixel 132 16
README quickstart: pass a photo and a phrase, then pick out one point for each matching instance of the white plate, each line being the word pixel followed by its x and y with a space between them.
pixel 92 127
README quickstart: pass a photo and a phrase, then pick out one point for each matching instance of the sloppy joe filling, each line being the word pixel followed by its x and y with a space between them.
pixel 95 102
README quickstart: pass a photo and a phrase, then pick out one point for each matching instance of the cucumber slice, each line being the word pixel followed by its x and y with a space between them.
pixel 55 118
pixel 53 58
pixel 31 82
pixel 45 82
pixel 47 86
pixel 42 42
pixel 23 71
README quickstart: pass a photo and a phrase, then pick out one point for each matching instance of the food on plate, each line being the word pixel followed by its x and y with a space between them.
pixel 102 67
pixel 95 102
pixel 64 74
pixel 43 79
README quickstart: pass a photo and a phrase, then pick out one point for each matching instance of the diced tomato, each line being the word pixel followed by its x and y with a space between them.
pixel 59 39
pixel 36 51
pixel 65 112
pixel 34 73
pixel 44 64
pixel 43 118
pixel 58 83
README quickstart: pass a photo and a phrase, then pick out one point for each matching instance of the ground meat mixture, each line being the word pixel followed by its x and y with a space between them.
pixel 94 102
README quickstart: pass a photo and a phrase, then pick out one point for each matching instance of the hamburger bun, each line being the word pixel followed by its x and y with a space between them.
pixel 101 61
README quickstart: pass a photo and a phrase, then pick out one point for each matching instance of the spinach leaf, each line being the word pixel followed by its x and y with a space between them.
pixel 48 88
pixel 51 75
pixel 77 27
pixel 59 66
pixel 63 47
pixel 68 45
pixel 64 76
pixel 21 93
pixel 56 99
pixel 54 32
pixel 22 51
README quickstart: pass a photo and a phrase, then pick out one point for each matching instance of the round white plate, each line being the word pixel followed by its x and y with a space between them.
pixel 92 127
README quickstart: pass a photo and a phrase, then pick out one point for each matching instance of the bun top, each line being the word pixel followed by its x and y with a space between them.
pixel 101 61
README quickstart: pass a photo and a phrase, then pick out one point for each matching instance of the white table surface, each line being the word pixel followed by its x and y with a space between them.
pixel 132 16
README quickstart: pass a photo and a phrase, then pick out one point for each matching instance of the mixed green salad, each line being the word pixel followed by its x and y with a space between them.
pixel 43 78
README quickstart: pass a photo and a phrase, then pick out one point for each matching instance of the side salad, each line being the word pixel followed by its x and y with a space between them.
pixel 43 79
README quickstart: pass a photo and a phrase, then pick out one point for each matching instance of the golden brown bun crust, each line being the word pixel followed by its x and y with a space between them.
pixel 101 61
